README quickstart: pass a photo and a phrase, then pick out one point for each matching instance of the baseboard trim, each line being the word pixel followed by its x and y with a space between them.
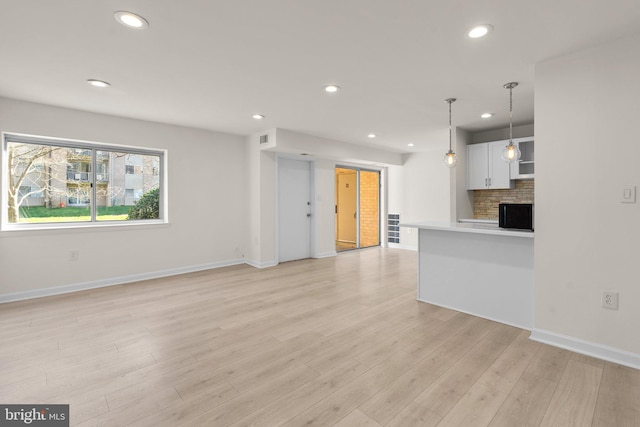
pixel 599 351
pixel 258 264
pixel 493 319
pixel 401 246
pixel 65 289
pixel 326 254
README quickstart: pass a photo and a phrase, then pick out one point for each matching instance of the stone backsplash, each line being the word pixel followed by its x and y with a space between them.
pixel 485 202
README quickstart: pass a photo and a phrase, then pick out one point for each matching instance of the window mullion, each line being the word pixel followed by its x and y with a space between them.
pixel 94 193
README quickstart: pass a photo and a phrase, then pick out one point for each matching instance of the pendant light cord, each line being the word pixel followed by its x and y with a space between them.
pixel 450 102
pixel 510 114
pixel 510 86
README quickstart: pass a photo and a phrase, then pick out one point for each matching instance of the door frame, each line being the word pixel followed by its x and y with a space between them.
pixel 358 169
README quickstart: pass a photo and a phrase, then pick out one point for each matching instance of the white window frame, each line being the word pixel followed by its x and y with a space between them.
pixel 74 143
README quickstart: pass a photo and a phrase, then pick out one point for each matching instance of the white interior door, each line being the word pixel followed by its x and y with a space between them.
pixel 294 209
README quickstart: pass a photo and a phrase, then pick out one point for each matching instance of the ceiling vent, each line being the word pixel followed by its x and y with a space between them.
pixel 264 139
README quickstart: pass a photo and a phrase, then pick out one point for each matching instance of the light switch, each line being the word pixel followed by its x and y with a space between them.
pixel 629 194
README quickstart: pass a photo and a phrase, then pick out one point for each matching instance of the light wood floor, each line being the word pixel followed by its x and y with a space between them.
pixel 337 341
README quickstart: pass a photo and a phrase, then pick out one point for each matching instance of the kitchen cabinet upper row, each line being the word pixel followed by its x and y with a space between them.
pixel 485 167
pixel 487 170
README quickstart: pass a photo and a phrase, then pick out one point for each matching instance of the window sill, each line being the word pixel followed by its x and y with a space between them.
pixel 9 230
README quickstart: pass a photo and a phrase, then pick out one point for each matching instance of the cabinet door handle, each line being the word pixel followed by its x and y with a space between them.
pixel 486 182
pixel 489 182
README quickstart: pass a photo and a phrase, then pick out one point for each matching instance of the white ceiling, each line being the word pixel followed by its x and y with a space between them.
pixel 213 64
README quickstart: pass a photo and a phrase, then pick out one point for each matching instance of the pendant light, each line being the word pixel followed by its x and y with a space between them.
pixel 511 153
pixel 450 158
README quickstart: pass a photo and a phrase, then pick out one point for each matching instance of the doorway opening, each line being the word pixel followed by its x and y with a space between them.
pixel 357 208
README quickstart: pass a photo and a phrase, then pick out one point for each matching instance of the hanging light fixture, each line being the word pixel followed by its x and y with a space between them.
pixel 450 158
pixel 511 153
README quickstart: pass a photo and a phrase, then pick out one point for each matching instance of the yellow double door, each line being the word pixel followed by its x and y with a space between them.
pixel 357 208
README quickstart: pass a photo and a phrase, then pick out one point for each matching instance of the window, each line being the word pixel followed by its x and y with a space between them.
pixel 55 181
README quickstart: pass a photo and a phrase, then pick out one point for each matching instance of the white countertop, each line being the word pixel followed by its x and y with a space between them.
pixel 480 221
pixel 469 227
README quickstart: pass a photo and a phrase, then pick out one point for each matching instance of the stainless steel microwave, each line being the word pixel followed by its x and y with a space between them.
pixel 517 216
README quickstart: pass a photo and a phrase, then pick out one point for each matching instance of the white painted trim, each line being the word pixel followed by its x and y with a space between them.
pixel 401 246
pixel 64 289
pixel 610 354
pixel 477 315
pixel 258 264
pixel 326 254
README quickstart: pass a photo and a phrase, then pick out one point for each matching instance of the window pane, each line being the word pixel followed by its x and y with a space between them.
pixel 127 186
pixel 48 184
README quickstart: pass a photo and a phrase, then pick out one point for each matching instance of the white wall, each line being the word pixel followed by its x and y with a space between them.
pixel 323 154
pixel 252 161
pixel 503 133
pixel 586 150
pixel 420 191
pixel 324 239
pixel 261 191
pixel 461 199
pixel 268 191
pixel 207 206
pixel 287 141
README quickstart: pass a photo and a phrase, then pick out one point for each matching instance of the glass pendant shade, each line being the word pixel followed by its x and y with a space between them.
pixel 450 159
pixel 511 153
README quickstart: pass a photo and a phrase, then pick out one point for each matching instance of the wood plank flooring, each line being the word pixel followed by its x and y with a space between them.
pixel 336 341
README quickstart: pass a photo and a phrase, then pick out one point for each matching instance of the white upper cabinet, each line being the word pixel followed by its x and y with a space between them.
pixel 477 166
pixel 524 168
pixel 485 167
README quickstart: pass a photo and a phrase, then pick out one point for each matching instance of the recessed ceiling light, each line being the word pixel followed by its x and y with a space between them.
pixel 258 116
pixel 410 144
pixel 487 115
pixel 372 135
pixel 480 31
pixel 131 20
pixel 331 88
pixel 98 83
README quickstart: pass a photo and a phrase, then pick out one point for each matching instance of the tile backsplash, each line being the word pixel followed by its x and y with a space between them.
pixel 485 202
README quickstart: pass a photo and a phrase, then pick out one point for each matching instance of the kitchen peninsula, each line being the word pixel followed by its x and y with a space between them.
pixel 478 269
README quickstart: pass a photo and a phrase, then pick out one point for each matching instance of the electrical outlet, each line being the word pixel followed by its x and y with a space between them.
pixel 74 255
pixel 610 300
